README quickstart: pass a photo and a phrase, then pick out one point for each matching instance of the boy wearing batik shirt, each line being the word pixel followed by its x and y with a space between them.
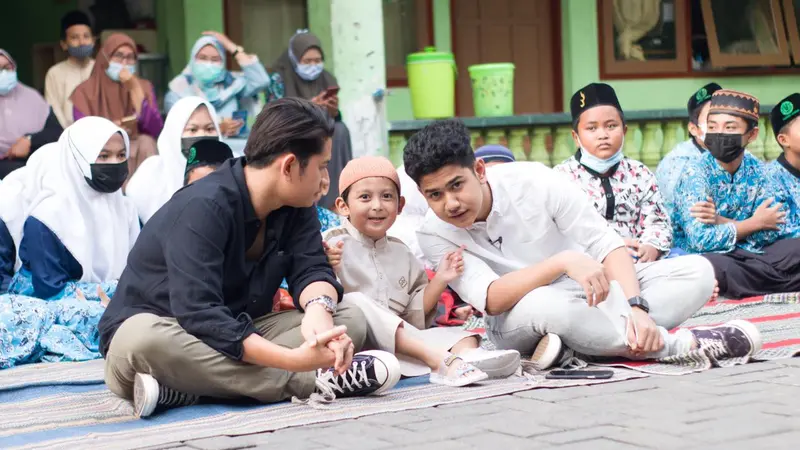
pixel 785 170
pixel 671 166
pixel 749 216
pixel 622 190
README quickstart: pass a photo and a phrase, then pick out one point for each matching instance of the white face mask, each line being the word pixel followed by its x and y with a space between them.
pixel 703 131
pixel 599 165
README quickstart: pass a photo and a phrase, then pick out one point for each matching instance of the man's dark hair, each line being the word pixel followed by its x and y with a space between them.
pixel 288 125
pixel 694 116
pixel 198 166
pixel 439 144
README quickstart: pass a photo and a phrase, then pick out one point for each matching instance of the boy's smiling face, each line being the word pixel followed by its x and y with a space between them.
pixel 372 206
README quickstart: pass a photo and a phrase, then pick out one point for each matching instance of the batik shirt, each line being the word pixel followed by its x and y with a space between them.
pixel 671 167
pixel 788 178
pixel 628 198
pixel 735 196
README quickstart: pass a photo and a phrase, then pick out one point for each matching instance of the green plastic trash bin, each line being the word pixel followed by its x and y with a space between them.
pixel 432 82
pixel 493 89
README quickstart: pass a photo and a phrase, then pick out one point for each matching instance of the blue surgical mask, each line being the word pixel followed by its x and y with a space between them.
pixel 310 72
pixel 8 81
pixel 114 68
pixel 81 51
pixel 600 165
pixel 207 72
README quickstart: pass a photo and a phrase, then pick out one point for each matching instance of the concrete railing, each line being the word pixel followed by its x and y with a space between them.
pixel 546 138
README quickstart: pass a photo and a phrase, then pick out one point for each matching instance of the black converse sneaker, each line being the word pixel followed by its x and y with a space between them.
pixel 734 339
pixel 371 373
pixel 148 396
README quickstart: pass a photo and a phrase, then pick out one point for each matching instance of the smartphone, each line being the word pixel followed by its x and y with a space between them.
pixel 331 91
pixel 579 374
pixel 241 114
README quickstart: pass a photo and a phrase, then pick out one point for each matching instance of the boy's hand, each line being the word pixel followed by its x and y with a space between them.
pixel 451 266
pixel 769 215
pixel 705 212
pixel 334 254
pixel 648 253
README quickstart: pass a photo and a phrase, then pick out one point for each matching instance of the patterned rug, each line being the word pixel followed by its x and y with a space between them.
pixel 89 416
pixel 777 317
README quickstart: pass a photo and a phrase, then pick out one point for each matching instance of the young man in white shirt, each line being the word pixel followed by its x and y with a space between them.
pixel 538 258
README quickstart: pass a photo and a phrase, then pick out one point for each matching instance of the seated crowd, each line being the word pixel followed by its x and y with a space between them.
pixel 168 246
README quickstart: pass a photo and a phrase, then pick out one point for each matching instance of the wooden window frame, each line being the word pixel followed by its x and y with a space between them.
pixel 611 68
pixel 689 72
pixel 396 76
pixel 792 28
pixel 724 60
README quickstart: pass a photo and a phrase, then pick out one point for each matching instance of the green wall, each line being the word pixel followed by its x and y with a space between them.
pixel 29 22
pixel 398 103
pixel 582 66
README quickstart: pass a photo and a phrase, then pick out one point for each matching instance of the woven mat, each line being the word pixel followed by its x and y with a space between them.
pixel 89 417
pixel 50 374
pixel 776 316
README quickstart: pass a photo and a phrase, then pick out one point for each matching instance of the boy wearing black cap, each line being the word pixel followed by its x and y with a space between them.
pixel 78 41
pixel 622 190
pixel 671 166
pixel 740 238
pixel 785 170
pixel 205 156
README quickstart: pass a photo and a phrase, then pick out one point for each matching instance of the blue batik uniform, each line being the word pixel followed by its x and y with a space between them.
pixel 8 257
pixel 671 167
pixel 736 197
pixel 49 271
pixel 788 178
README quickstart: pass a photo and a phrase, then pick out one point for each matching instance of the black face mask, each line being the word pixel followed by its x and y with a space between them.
pixel 108 178
pixel 188 142
pixel 725 147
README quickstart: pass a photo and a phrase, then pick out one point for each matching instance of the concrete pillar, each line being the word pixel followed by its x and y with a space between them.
pixel 356 46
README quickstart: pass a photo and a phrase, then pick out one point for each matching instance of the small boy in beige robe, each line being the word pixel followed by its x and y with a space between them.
pixel 383 278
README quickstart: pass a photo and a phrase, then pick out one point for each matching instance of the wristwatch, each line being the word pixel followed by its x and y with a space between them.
pixel 640 303
pixel 238 50
pixel 325 301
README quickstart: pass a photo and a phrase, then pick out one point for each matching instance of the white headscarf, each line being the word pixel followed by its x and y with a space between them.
pixel 98 229
pixel 160 176
pixel 21 187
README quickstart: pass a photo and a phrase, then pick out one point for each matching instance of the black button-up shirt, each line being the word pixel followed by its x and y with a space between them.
pixel 189 262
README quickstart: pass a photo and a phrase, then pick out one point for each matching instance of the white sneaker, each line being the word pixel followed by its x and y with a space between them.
pixel 548 352
pixel 495 363
pixel 371 373
pixel 148 396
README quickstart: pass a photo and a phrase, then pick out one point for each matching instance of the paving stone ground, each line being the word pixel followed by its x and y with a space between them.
pixel 756 406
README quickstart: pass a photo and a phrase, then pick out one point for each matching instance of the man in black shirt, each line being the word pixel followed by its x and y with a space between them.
pixel 192 315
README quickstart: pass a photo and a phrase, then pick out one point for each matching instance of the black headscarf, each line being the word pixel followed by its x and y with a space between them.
pixel 294 86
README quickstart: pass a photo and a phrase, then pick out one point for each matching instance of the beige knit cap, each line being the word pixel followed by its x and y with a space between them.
pixel 366 167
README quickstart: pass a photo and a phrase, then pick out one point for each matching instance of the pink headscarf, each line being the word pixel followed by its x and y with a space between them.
pixel 22 111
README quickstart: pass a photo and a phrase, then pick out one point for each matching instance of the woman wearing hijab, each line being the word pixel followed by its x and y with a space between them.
pixel 233 95
pixel 26 121
pixel 80 227
pixel 17 192
pixel 190 119
pixel 301 73
pixel 114 92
